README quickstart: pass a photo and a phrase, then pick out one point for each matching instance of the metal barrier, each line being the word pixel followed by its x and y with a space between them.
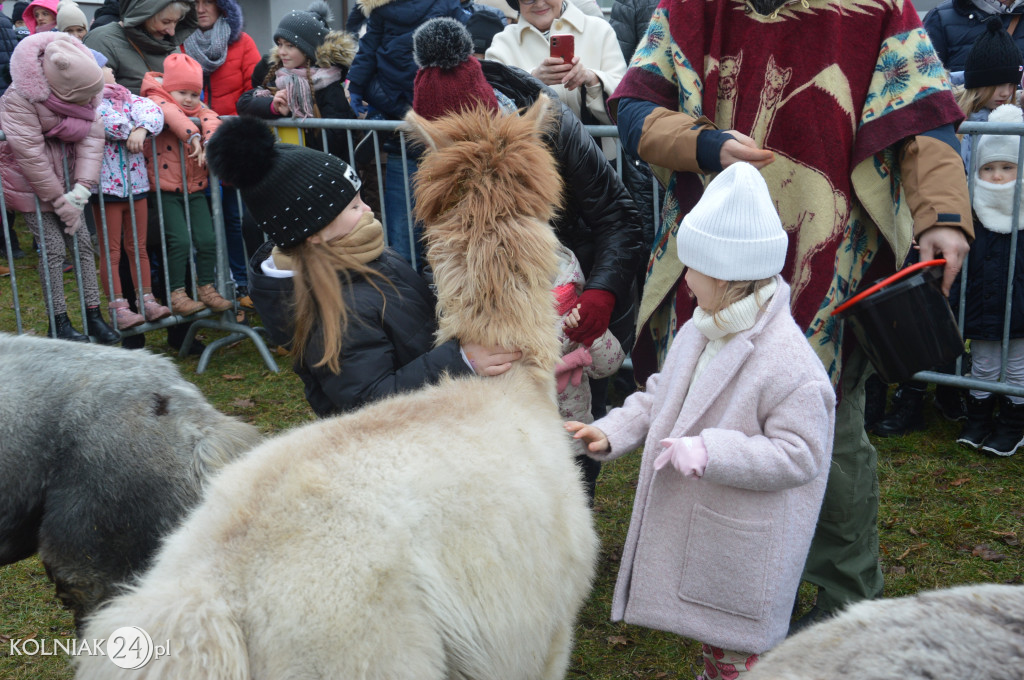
pixel 372 130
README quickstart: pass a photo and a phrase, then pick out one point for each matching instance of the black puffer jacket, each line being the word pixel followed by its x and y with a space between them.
pixel 387 348
pixel 629 18
pixel 8 41
pixel 954 25
pixel 988 267
pixel 599 221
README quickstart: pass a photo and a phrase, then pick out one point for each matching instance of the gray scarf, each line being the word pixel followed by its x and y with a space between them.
pixel 210 47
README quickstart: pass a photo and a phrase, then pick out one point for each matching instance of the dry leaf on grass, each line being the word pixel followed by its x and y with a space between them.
pixel 243 403
pixel 988 554
pixel 619 641
pixel 233 376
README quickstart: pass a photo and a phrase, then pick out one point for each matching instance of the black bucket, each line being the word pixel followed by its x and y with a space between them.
pixel 904 322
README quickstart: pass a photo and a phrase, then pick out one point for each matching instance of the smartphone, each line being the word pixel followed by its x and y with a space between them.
pixel 562 45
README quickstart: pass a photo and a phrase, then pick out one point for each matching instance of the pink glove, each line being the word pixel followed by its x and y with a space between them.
pixel 687 454
pixel 570 368
pixel 68 214
pixel 596 307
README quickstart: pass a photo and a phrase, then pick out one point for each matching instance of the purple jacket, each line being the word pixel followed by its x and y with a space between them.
pixel 718 559
pixel 30 164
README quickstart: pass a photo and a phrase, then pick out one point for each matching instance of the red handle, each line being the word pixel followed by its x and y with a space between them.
pixel 903 273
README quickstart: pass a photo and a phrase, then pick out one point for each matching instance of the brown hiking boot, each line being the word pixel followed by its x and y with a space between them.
pixel 212 298
pixel 183 305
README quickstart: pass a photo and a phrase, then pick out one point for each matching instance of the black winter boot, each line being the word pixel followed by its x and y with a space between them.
pixel 950 402
pixel 906 415
pixel 65 331
pixel 875 393
pixel 98 328
pixel 1008 434
pixel 979 422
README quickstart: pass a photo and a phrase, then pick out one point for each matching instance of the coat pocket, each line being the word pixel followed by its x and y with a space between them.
pixel 726 563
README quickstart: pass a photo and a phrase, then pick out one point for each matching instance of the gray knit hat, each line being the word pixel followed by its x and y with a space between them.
pixel 306 30
pixel 734 232
pixel 292 191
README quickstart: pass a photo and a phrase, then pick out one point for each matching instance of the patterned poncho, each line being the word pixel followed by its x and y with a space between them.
pixel 829 86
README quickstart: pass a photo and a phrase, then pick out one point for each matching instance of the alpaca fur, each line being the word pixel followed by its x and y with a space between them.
pixel 968 631
pixel 440 534
pixel 102 451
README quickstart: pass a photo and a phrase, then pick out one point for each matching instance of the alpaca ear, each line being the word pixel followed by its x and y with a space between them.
pixel 541 114
pixel 426 133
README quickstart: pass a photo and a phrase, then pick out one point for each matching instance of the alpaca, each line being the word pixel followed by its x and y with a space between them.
pixel 102 451
pixel 967 631
pixel 438 534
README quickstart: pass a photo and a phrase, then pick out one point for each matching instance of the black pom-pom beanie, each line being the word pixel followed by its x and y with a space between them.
pixel 994 58
pixel 306 30
pixel 291 191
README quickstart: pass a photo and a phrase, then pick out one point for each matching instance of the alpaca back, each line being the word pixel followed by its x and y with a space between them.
pixel 485 191
pixel 442 533
pixel 106 438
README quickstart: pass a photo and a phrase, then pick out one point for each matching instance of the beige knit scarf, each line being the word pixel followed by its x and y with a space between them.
pixel 364 244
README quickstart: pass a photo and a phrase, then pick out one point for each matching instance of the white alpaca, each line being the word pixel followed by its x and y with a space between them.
pixel 965 632
pixel 440 534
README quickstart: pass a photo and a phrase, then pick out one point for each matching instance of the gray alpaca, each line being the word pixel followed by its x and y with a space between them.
pixel 972 631
pixel 102 451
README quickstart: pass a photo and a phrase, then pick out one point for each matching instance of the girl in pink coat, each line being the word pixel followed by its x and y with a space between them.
pixel 49 115
pixel 737 435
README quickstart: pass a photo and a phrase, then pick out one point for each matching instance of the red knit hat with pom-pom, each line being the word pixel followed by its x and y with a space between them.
pixel 450 79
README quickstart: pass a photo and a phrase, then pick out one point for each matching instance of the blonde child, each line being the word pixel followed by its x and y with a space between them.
pixel 991 75
pixel 128 120
pixel 580 363
pixel 71 19
pixel 987 272
pixel 176 92
pixel 737 433
pixel 40 16
pixel 48 115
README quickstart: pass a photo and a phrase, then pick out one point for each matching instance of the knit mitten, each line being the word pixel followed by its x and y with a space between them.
pixel 570 368
pixel 595 314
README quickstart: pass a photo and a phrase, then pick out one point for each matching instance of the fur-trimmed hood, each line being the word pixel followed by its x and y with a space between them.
pixel 339 49
pixel 232 12
pixel 27 75
pixel 367 6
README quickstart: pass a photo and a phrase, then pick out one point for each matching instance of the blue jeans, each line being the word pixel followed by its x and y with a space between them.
pixel 396 217
pixel 233 235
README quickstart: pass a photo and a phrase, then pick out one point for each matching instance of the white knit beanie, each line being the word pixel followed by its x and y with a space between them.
pixel 734 232
pixel 993 148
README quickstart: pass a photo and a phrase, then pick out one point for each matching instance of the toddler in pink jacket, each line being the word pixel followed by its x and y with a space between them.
pixel 49 116
pixel 737 435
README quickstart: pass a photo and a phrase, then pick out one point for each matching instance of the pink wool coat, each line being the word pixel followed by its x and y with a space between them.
pixel 30 164
pixel 718 559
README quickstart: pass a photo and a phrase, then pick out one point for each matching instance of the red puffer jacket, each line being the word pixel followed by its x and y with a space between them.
pixel 223 87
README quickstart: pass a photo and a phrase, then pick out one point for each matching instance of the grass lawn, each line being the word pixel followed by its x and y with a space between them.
pixel 948 516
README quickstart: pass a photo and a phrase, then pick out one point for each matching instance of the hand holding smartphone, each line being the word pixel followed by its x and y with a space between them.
pixel 563 45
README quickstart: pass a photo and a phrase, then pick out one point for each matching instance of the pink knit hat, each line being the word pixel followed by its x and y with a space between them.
pixel 182 72
pixel 71 71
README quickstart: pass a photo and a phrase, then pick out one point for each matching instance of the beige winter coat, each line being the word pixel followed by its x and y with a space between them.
pixel 718 559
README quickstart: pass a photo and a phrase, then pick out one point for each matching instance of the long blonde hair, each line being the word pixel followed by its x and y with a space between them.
pixel 974 99
pixel 320 297
pixel 733 293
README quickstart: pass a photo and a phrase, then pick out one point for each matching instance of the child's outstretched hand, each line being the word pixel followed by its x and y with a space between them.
pixel 136 140
pixel 687 454
pixel 572 319
pixel 595 440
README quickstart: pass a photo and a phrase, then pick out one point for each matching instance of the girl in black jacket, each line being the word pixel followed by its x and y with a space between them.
pixel 305 77
pixel 358 319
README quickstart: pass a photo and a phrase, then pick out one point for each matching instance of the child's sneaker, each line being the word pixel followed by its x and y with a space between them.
pixel 1008 433
pixel 213 299
pixel 123 316
pixel 153 310
pixel 979 422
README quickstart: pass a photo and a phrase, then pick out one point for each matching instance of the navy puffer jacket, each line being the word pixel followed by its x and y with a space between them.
pixel 8 41
pixel 383 69
pixel 987 267
pixel 954 25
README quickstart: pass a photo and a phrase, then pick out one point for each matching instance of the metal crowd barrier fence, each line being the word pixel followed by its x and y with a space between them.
pixel 371 132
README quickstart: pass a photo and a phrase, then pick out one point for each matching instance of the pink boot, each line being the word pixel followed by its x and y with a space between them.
pixel 153 310
pixel 123 316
